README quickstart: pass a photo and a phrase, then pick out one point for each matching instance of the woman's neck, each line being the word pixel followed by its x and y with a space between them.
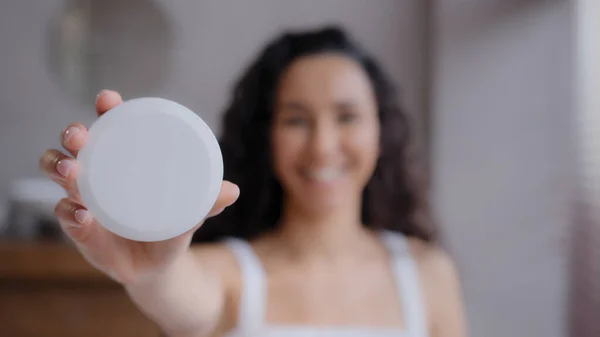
pixel 329 235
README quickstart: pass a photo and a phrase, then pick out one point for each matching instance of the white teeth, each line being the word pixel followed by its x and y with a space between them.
pixel 326 174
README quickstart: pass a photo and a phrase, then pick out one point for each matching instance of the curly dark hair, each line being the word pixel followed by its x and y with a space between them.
pixel 393 199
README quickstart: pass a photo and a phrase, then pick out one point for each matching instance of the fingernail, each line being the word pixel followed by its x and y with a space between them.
pixel 64 167
pixel 102 93
pixel 70 132
pixel 81 215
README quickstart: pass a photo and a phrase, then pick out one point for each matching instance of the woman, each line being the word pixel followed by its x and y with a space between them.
pixel 330 234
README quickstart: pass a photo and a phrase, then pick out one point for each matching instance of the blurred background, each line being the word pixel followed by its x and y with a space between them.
pixel 503 94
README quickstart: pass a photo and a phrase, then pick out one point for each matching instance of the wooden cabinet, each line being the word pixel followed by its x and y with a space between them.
pixel 47 289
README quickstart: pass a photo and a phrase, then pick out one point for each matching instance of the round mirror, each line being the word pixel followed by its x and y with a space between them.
pixel 110 44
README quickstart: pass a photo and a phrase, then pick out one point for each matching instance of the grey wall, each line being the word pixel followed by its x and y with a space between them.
pixel 502 161
pixel 214 40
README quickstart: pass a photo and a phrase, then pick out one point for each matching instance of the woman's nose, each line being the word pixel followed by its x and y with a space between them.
pixel 324 140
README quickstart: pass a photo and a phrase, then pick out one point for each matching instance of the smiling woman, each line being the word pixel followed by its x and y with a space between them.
pixel 321 150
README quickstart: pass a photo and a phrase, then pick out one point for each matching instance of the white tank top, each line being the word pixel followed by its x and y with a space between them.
pixel 250 321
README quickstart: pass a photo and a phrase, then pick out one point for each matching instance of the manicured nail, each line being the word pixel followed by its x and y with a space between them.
pixel 70 132
pixel 81 215
pixel 64 167
pixel 102 93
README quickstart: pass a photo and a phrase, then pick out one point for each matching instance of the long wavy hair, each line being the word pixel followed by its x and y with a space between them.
pixel 394 198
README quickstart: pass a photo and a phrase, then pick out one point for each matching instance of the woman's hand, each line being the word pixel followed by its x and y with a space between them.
pixel 126 261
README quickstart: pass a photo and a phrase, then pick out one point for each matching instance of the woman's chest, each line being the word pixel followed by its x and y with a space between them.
pixel 363 297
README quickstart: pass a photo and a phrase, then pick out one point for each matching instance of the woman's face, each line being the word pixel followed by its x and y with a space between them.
pixel 325 133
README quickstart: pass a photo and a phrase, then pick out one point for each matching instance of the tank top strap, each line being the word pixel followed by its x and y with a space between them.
pixel 252 297
pixel 407 283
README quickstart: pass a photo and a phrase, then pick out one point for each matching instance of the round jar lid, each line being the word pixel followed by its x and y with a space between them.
pixel 150 170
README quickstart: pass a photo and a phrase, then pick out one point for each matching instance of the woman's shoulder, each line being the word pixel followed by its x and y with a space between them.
pixel 441 287
pixel 432 259
pixel 436 267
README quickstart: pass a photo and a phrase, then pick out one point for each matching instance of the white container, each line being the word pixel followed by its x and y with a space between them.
pixel 150 170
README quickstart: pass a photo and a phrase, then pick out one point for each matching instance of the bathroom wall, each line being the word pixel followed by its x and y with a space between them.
pixel 503 161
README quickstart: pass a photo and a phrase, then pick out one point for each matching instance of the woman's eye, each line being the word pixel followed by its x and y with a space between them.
pixel 293 121
pixel 347 117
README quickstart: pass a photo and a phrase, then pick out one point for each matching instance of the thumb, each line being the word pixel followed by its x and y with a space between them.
pixel 227 196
